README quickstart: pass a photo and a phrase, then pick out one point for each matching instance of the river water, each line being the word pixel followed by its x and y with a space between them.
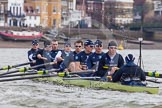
pixel 29 94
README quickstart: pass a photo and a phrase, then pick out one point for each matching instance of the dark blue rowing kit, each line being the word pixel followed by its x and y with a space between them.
pixel 106 62
pixel 32 53
pixel 93 60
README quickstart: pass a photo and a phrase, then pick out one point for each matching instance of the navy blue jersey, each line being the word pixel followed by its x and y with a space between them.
pixel 93 60
pixel 68 60
pixel 53 55
pixel 32 53
pixel 72 56
pixel 106 62
pixel 82 57
pixel 45 54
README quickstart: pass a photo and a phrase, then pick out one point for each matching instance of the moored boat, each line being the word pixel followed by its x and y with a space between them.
pixel 20 35
pixel 100 85
pixel 142 42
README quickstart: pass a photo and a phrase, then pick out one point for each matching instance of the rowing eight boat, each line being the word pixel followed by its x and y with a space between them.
pixel 100 85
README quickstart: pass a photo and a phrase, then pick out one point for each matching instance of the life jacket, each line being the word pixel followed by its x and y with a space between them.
pixel 111 62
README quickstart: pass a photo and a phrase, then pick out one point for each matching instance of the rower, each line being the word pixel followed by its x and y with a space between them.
pixel 33 51
pixel 44 56
pixel 130 73
pixel 68 64
pixel 110 61
pixel 81 58
pixel 94 58
pixel 56 54
pixel 65 54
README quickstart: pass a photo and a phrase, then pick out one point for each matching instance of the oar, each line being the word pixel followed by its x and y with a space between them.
pixel 62 74
pixel 154 81
pixel 82 78
pixel 153 74
pixel 42 72
pixel 26 68
pixel 14 66
pixel 29 77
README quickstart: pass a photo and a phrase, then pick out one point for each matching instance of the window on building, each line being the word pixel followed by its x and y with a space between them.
pixel 31 9
pixel 45 8
pixel 1 18
pixel 20 10
pixel 10 9
pixel 54 9
pixel 2 8
pixel 54 22
pixel 16 10
pixel 38 9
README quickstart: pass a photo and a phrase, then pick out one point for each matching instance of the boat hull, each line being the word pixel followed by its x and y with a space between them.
pixel 101 85
pixel 6 36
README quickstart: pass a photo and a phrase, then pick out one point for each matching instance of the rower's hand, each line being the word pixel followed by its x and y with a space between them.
pixel 44 58
pixel 113 69
pixel 34 61
pixel 54 62
pixel 66 70
pixel 84 67
pixel 59 59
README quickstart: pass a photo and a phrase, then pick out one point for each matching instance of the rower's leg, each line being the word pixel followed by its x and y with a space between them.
pixel 74 67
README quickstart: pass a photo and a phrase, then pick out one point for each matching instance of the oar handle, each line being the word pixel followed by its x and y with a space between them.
pixel 84 71
pixel 63 74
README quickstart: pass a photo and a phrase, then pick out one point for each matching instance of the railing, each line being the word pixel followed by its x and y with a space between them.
pixel 16 16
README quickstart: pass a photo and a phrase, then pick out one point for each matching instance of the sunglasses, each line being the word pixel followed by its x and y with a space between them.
pixel 67 46
pixel 49 46
pixel 78 46
pixel 91 46
pixel 98 45
pixel 35 44
pixel 113 47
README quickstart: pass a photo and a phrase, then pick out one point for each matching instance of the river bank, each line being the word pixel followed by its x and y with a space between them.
pixel 16 44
